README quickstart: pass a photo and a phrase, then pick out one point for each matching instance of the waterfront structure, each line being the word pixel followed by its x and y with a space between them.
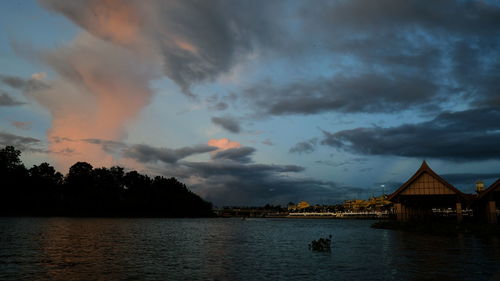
pixel 300 206
pixel 487 202
pixel 355 205
pixel 373 203
pixel 426 191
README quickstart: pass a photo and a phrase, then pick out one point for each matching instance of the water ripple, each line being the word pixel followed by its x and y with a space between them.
pixel 230 249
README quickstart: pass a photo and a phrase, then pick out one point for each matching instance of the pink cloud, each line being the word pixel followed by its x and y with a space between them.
pixel 224 143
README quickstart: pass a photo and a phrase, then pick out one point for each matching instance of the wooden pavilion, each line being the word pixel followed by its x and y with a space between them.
pixel 426 191
pixel 487 202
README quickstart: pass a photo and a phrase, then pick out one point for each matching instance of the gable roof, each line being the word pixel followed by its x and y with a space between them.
pixel 424 168
pixel 487 191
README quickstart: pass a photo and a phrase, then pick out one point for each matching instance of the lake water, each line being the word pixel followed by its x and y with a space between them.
pixel 231 249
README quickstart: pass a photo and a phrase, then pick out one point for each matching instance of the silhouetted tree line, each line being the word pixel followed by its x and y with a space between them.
pixel 85 191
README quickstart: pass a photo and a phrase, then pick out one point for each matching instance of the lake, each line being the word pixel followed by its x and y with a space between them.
pixel 232 249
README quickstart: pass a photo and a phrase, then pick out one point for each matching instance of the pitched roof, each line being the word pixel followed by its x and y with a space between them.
pixel 424 168
pixel 488 190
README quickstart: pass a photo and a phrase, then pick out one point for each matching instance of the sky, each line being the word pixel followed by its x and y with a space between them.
pixel 256 102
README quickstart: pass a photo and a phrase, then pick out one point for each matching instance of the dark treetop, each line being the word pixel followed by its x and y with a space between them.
pixel 85 191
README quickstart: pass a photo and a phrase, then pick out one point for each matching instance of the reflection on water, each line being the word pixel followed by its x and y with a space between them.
pixel 231 249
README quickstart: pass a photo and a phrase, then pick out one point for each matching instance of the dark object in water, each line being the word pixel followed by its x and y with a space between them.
pixel 321 245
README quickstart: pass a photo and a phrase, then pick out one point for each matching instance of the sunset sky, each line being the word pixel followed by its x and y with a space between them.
pixel 255 102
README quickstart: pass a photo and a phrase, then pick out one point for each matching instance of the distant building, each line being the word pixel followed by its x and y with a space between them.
pixel 372 204
pixel 355 205
pixel 479 186
pixel 487 202
pixel 301 205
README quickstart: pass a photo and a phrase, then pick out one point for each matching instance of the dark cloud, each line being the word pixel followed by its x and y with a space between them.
pixel 363 93
pixel 246 183
pixel 228 123
pixel 102 142
pixel 220 106
pixel 148 154
pixel 385 56
pixel 353 161
pixel 58 139
pixel 389 56
pixel 466 182
pixel 13 81
pixel 239 154
pixel 198 40
pixel 144 153
pixel 469 178
pixel 241 169
pixel 304 147
pixel 20 142
pixel 218 102
pixel 238 181
pixel 466 135
pixel 232 183
pixel 362 170
pixel 374 56
pixel 109 146
pixel 479 18
pixel 7 100
pixel 26 85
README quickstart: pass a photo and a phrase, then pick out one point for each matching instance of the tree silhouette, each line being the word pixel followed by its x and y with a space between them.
pixel 46 174
pixel 86 191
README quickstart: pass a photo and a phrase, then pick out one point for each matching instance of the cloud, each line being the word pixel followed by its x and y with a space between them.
pixel 353 161
pixel 249 184
pixel 387 57
pixel 233 183
pixel 469 179
pixel 108 146
pixel 359 93
pixel 40 76
pixel 231 177
pixel 304 147
pixel 7 100
pixel 144 153
pixel 240 154
pixel 224 143
pixel 268 142
pixel 25 85
pixel 392 56
pixel 374 57
pixel 460 136
pixel 148 154
pixel 220 106
pixel 105 72
pixel 220 103
pixel 21 125
pixel 20 142
pixel 96 90
pixel 196 40
pixel 228 123
pixel 439 16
